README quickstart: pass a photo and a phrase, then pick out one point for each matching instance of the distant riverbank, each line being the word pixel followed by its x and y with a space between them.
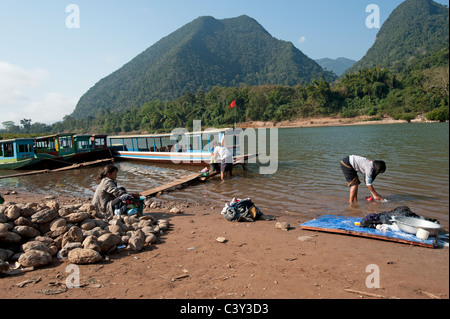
pixel 328 121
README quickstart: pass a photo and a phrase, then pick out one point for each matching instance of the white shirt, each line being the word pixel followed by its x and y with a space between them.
pixel 364 166
pixel 223 154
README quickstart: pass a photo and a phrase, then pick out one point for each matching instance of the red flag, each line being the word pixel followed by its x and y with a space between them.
pixel 233 104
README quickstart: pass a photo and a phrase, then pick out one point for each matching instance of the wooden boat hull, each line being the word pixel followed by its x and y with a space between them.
pixel 18 164
pixel 88 156
pixel 183 158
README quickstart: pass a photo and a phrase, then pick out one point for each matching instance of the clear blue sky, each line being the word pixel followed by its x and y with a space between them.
pixel 45 66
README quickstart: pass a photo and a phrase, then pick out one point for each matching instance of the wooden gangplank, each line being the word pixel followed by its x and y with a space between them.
pixel 178 182
pixel 79 165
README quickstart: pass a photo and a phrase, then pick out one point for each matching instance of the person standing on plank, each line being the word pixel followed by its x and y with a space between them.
pixel 353 164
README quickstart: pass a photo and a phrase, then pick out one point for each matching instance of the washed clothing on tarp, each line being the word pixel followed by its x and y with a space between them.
pixel 106 192
pixel 385 218
pixel 241 210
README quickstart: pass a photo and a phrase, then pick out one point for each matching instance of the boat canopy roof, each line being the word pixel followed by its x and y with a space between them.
pixel 25 139
pixel 210 132
pixel 53 136
pixel 91 135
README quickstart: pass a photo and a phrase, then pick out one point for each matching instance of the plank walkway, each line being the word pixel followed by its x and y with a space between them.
pixel 176 183
pixel 43 171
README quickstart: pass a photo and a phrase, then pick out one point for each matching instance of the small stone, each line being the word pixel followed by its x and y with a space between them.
pixel 303 238
pixel 282 225
pixel 221 239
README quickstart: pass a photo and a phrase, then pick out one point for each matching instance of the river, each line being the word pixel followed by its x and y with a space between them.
pixel 308 181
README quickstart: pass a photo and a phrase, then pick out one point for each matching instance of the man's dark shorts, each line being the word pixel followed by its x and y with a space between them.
pixel 351 176
pixel 226 167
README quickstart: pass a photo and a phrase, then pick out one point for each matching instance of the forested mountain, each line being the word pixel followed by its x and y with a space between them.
pixel 199 56
pixel 416 28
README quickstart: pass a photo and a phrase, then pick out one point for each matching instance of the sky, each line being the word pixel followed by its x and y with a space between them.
pixel 53 51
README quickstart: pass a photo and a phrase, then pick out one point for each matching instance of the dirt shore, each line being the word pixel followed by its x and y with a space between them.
pixel 257 261
pixel 329 121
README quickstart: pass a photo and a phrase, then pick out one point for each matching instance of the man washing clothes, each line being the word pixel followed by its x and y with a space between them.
pixel 353 164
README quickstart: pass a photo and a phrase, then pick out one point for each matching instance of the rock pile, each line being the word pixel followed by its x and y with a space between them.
pixel 33 234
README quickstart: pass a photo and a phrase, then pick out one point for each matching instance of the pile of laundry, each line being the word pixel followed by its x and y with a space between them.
pixel 128 205
pixel 384 219
pixel 241 210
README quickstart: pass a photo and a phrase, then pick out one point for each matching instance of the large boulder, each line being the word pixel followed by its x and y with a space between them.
pixel 44 216
pixel 108 241
pixel 88 224
pixel 64 252
pixel 5 254
pixel 90 242
pixel 74 234
pixel 10 238
pixel 22 221
pixel 3 229
pixel 12 212
pixel 84 256
pixel 77 217
pixel 26 231
pixel 137 240
pixel 35 258
pixel 36 245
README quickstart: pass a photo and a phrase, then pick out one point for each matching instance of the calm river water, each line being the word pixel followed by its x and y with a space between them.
pixel 308 181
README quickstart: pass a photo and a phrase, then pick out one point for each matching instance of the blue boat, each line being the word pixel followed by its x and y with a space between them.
pixel 176 148
pixel 17 154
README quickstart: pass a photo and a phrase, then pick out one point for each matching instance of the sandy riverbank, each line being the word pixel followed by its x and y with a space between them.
pixel 328 121
pixel 257 261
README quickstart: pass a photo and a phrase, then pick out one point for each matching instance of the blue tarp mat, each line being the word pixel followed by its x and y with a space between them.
pixel 346 225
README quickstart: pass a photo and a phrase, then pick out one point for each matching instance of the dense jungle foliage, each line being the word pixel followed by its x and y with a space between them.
pixel 375 92
pixel 405 74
